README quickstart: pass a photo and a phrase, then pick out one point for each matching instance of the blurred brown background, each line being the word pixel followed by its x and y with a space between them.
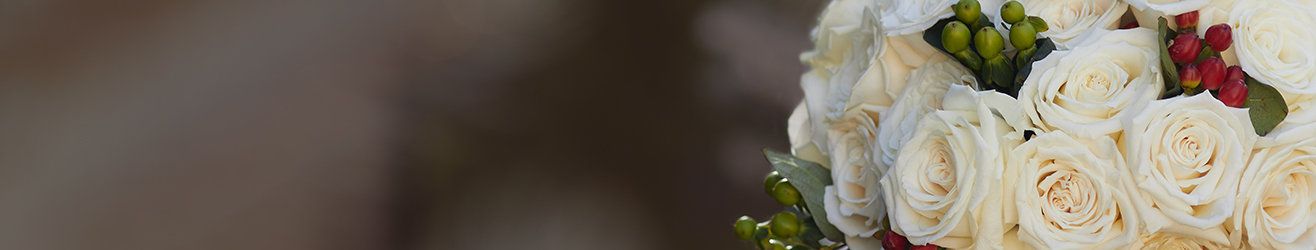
pixel 391 124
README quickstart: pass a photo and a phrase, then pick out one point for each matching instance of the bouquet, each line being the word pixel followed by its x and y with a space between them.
pixel 1032 124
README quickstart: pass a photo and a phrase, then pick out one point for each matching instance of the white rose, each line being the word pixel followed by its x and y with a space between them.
pixel 922 94
pixel 844 45
pixel 1186 155
pixel 897 59
pixel 936 192
pixel 1070 19
pixel 1273 44
pixel 1087 90
pixel 800 132
pixel 854 202
pixel 1177 238
pixel 901 17
pixel 1071 194
pixel 1168 7
pixel 1277 201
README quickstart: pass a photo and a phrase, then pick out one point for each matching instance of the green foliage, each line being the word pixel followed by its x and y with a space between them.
pixel 809 179
pixel 1265 105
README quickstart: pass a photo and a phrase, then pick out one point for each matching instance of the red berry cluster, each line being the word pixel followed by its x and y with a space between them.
pixel 1209 73
pixel 893 241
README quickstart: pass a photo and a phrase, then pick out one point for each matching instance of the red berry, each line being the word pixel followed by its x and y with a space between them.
pixel 1189 76
pixel 893 241
pixel 1129 25
pixel 1185 48
pixel 1219 37
pixel 1186 21
pixel 1213 72
pixel 1234 73
pixel 924 247
pixel 1233 94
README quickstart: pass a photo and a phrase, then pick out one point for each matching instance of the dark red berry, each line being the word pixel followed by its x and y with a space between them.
pixel 1213 72
pixel 1234 73
pixel 1185 48
pixel 1219 37
pixel 1186 21
pixel 893 241
pixel 1189 76
pixel 1233 94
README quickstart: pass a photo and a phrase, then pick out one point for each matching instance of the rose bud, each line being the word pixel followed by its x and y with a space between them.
pixel 1189 77
pixel 893 241
pixel 1234 73
pixel 1186 21
pixel 1219 37
pixel 1233 94
pixel 1213 72
pixel 1185 48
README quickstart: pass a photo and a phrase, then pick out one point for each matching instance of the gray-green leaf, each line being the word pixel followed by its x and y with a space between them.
pixel 1265 106
pixel 810 178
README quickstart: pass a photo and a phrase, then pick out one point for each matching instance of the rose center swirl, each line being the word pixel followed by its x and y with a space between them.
pixel 1069 197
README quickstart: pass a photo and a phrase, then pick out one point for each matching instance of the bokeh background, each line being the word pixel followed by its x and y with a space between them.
pixel 391 124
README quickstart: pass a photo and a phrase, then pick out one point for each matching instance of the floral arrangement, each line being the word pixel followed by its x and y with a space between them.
pixel 1034 124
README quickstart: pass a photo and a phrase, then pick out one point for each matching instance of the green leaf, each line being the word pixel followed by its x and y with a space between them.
pixel 1044 47
pixel 999 72
pixel 810 178
pixel 1207 52
pixel 1265 106
pixel 1169 73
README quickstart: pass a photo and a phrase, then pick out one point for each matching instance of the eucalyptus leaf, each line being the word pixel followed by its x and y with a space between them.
pixel 810 179
pixel 1207 52
pixel 1169 72
pixel 1265 105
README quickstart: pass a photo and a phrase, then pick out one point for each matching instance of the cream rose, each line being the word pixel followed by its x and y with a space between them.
pixel 1273 44
pixel 896 61
pixel 800 132
pixel 854 202
pixel 936 192
pixel 1087 90
pixel 1177 238
pixel 922 94
pixel 1070 194
pixel 1186 155
pixel 1167 7
pixel 1070 19
pixel 844 45
pixel 901 17
pixel 1277 201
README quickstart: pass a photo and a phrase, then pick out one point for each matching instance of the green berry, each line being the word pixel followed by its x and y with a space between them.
pixel 745 227
pixel 955 37
pixel 771 181
pixel 1012 12
pixel 786 194
pixel 1022 35
pixel 775 245
pixel 967 11
pixel 785 225
pixel 989 42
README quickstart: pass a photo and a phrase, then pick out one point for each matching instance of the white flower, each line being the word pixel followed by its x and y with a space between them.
pixel 936 192
pixel 1273 44
pixel 1070 19
pixel 922 94
pixel 1071 194
pixel 1277 201
pixel 800 132
pixel 1168 7
pixel 896 61
pixel 854 202
pixel 1087 90
pixel 901 17
pixel 1177 238
pixel 844 45
pixel 1186 155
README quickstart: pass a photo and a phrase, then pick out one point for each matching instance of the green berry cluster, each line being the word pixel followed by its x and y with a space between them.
pixel 784 230
pixel 987 57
